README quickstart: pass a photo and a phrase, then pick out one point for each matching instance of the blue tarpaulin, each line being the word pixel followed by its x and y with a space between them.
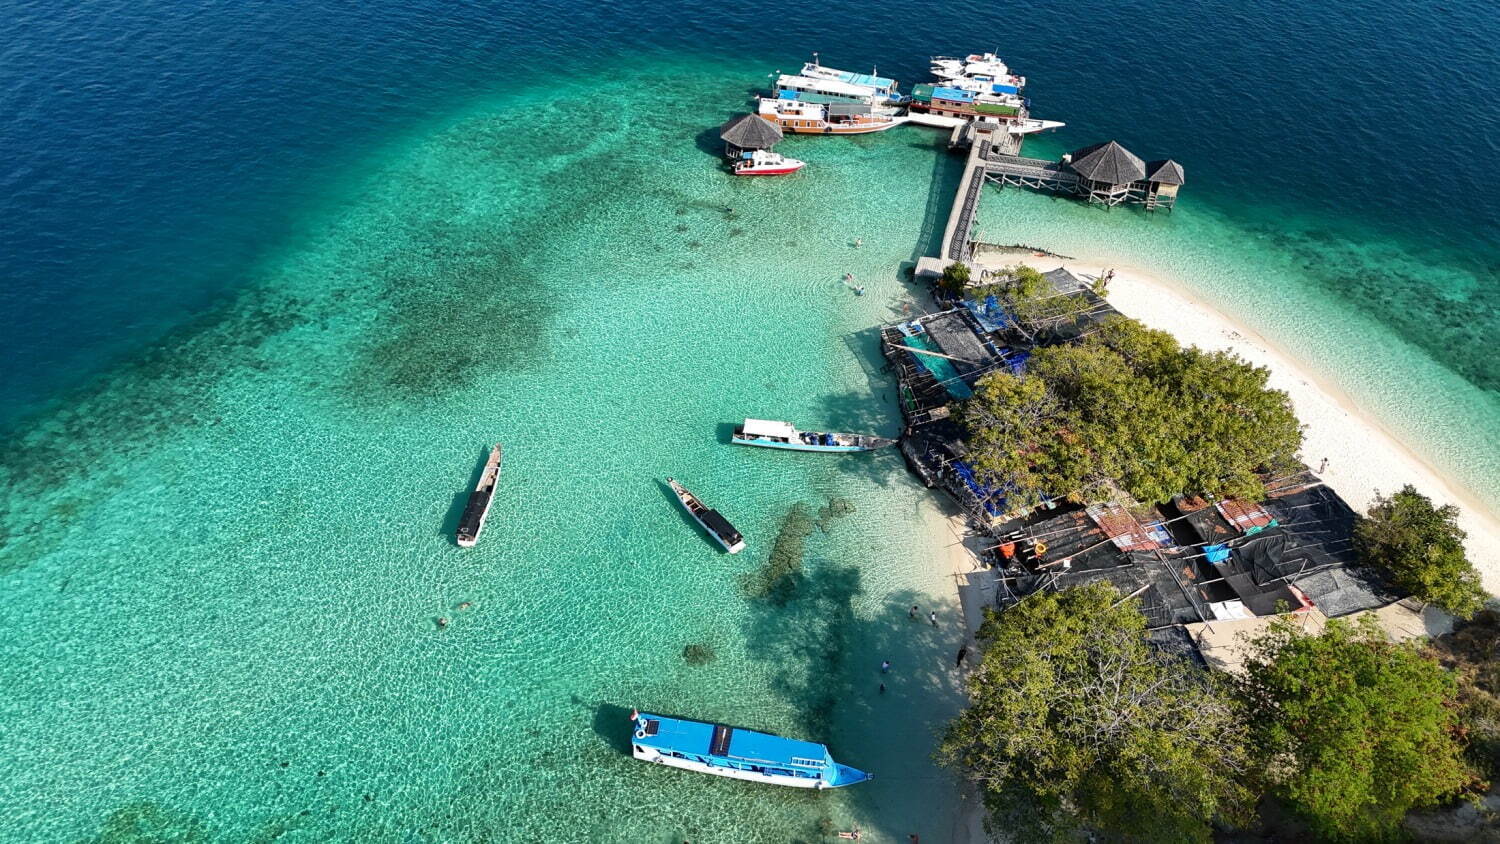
pixel 786 95
pixel 1004 89
pixel 985 493
pixel 1216 553
pixel 990 315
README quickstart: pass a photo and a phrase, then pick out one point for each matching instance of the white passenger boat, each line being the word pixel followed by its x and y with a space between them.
pixel 763 162
pixel 768 434
pixel 736 753
pixel 717 526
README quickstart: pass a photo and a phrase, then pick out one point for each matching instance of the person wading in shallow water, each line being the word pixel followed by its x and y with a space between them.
pixel 912 614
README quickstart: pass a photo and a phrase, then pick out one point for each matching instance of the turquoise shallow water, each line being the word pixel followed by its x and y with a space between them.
pixel 221 613
pixel 275 282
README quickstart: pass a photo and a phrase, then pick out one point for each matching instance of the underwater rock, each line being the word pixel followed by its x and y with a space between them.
pixel 698 654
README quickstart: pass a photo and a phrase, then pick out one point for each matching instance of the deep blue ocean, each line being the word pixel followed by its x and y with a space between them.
pixel 152 151
pixel 274 275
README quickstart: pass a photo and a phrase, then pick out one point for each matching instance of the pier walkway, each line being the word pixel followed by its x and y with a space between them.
pixel 1031 173
pixel 989 151
pixel 965 210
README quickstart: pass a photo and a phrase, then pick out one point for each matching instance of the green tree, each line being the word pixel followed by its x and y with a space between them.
pixel 1350 729
pixel 1472 653
pixel 1421 549
pixel 1074 721
pixel 1126 403
pixel 1032 300
pixel 955 278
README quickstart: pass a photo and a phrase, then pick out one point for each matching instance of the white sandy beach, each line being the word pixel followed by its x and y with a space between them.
pixel 1362 456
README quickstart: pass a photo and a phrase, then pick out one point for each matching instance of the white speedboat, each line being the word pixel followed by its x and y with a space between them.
pixel 763 162
pixel 976 65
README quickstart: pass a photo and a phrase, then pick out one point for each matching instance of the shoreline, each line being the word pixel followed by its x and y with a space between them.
pixel 1363 456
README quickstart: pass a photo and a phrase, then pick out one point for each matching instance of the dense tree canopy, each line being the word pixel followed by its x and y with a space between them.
pixel 1127 403
pixel 955 278
pixel 1074 720
pixel 1351 730
pixel 1420 548
pixel 1472 653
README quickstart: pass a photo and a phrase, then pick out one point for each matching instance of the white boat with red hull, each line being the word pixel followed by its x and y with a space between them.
pixel 763 162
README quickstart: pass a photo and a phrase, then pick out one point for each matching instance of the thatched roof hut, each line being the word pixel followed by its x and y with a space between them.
pixel 1108 163
pixel 749 131
pixel 1165 172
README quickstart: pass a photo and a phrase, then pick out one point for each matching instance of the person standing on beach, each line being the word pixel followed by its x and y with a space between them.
pixel 1323 467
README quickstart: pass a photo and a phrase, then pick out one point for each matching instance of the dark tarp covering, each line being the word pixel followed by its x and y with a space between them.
pixel 721 526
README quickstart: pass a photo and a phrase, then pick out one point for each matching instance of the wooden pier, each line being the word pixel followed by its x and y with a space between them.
pixel 1105 174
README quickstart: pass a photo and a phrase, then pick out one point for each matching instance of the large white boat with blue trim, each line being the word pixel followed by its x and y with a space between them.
pixel 768 434
pixel 709 519
pixel 737 753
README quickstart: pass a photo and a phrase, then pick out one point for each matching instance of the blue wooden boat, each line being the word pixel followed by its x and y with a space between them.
pixel 737 753
pixel 768 434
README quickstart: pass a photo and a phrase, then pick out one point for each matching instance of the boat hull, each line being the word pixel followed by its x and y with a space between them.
pixel 646 754
pixel 838 129
pixel 845 449
pixel 766 171
pixel 477 511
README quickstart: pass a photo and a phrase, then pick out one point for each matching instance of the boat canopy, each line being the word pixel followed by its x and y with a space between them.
pixel 824 86
pixel 848 109
pixel 767 428
pixel 1004 89
pixel 721 527
pixel 866 79
pixel 956 94
pixel 786 95
pixel 700 739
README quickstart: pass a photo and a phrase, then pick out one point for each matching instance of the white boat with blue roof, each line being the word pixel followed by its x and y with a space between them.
pixel 770 434
pixel 737 753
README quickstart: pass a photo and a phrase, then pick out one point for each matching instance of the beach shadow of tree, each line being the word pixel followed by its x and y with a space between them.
pixel 827 663
pixel 803 632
